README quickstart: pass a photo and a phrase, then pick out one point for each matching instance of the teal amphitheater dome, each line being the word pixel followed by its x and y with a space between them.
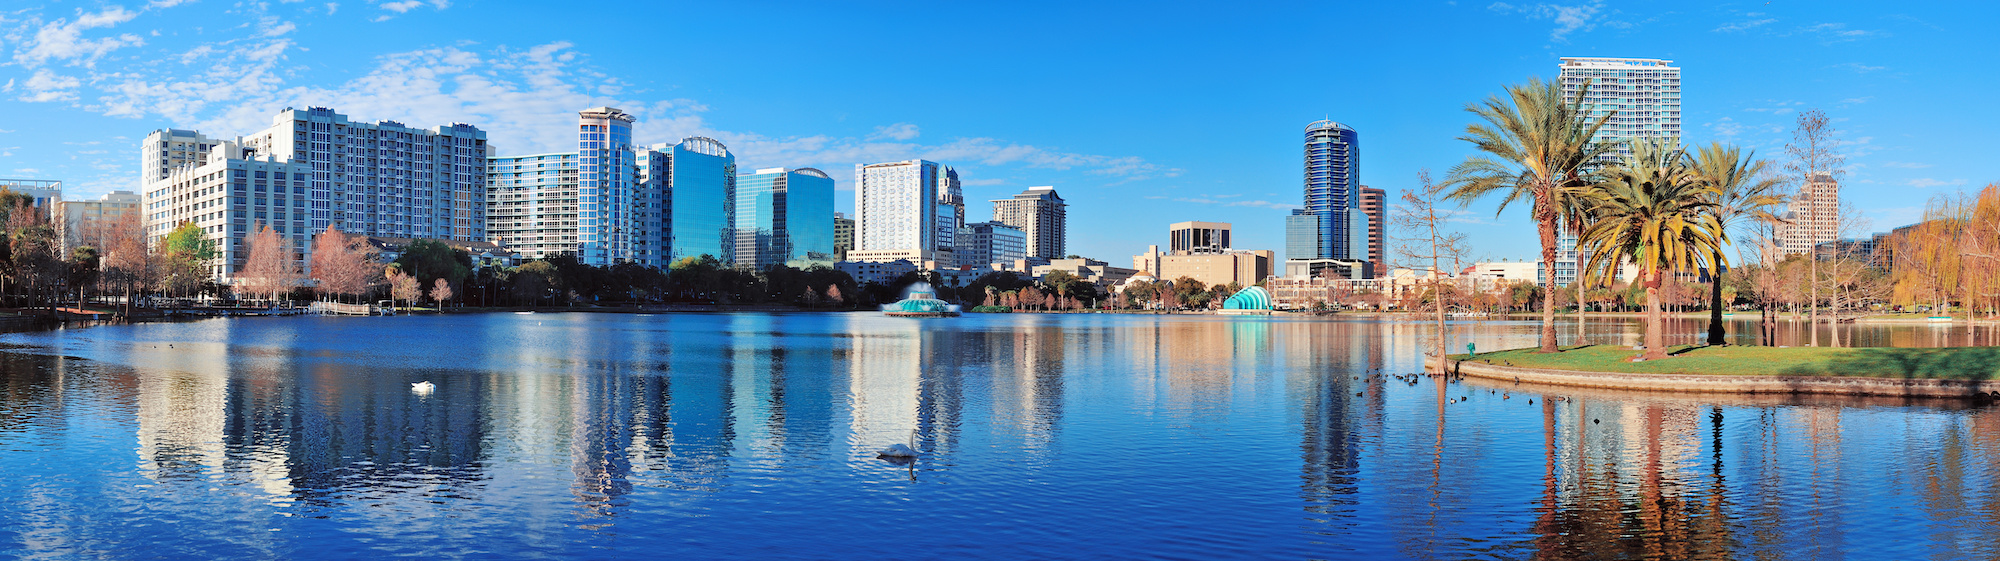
pixel 1253 300
pixel 921 303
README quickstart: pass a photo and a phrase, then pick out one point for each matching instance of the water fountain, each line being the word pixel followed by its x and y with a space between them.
pixel 919 301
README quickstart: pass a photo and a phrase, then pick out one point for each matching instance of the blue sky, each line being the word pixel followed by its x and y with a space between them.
pixel 1141 114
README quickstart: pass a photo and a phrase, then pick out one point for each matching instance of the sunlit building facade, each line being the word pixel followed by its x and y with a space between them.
pixel 909 210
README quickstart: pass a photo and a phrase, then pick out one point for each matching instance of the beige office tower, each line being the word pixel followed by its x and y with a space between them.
pixel 90 223
pixel 1812 217
pixel 1042 214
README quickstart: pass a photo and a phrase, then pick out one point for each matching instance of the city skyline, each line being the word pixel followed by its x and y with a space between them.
pixel 84 84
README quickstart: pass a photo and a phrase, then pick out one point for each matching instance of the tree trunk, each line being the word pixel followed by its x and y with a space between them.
pixel 1546 227
pixel 1715 329
pixel 1656 338
pixel 1812 303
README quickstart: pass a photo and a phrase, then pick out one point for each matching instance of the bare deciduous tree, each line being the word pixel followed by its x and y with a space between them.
pixel 1428 244
pixel 1816 157
pixel 270 269
pixel 441 292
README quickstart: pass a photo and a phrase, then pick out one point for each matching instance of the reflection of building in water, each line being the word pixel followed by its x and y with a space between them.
pixel 883 380
pixel 1027 381
pixel 181 409
pixel 941 396
pixel 1322 376
pixel 1627 479
pixel 354 428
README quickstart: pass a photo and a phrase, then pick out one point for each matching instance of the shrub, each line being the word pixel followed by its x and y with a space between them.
pixel 992 310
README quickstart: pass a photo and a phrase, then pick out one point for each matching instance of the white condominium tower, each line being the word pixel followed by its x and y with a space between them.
pixel 1812 217
pixel 1042 215
pixel 1643 98
pixel 1642 95
pixel 907 210
pixel 313 169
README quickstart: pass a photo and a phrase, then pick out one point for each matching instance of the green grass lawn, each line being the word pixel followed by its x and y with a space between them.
pixel 1962 363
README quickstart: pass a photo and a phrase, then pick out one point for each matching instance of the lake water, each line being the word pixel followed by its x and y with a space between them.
pixel 1042 437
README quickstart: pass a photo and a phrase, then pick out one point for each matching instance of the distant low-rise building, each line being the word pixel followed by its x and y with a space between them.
pixel 90 223
pixel 843 235
pixel 1238 266
pixel 878 272
pixel 44 192
pixel 981 244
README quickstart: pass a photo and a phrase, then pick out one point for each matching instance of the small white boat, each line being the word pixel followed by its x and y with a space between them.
pixel 423 388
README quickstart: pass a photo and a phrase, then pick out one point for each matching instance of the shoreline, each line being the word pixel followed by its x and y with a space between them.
pixel 1728 384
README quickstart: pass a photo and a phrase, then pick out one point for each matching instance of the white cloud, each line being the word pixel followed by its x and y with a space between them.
pixel 402 6
pixel 1838 32
pixel 158 4
pixel 898 131
pixel 1859 68
pixel 1744 25
pixel 527 103
pixel 1568 18
pixel 48 86
pixel 1928 182
pixel 63 40
pixel 332 7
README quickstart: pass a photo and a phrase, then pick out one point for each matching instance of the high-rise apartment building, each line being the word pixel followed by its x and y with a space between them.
pixel 1812 217
pixel 1042 214
pixel 312 169
pixel 608 230
pixel 843 236
pixel 531 204
pixel 906 210
pixel 780 218
pixel 612 202
pixel 1198 237
pixel 233 190
pixel 1374 204
pixel 1332 226
pixel 986 243
pixel 1642 96
pixel 90 223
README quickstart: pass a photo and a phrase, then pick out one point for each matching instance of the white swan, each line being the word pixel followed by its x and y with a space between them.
pixel 423 387
pixel 899 450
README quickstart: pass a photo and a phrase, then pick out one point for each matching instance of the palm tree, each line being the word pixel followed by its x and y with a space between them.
pixel 1654 212
pixel 1741 190
pixel 1537 146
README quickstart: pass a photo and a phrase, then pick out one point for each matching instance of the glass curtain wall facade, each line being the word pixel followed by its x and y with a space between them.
pixel 701 199
pixel 1337 226
pixel 778 219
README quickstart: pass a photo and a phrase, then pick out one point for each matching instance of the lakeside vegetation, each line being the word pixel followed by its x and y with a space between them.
pixel 1943 363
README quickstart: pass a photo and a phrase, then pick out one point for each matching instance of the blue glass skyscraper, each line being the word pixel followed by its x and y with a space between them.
pixel 1332 224
pixel 781 218
pixel 701 194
